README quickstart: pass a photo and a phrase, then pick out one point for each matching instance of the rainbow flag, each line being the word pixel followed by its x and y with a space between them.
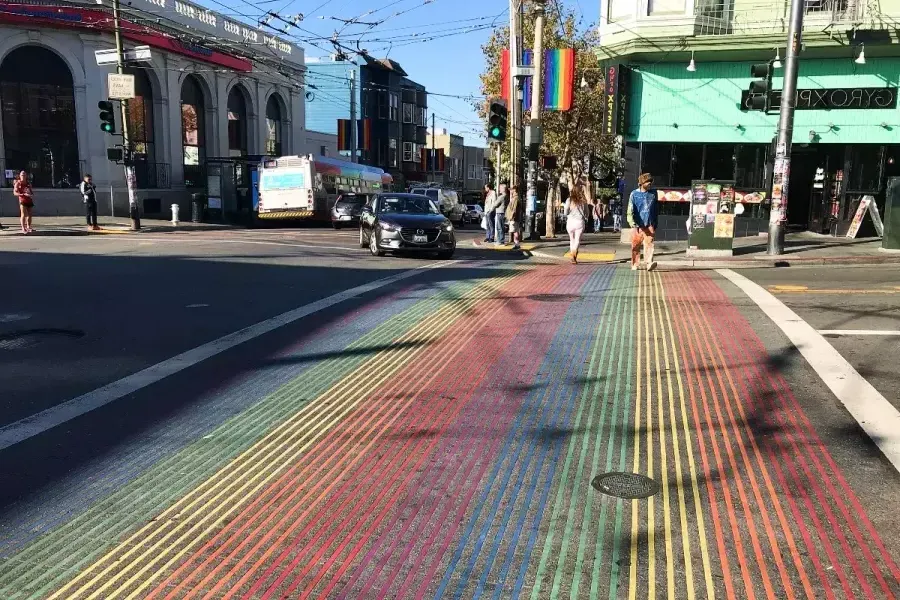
pixel 559 78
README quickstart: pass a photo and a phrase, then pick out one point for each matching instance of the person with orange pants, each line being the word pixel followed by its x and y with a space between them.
pixel 642 215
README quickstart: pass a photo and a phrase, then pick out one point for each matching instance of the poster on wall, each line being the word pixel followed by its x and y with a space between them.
pixel 724 227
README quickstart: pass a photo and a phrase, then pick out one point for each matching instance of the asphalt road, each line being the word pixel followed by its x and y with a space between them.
pixel 434 434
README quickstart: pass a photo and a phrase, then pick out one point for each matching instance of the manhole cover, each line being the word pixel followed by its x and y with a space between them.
pixel 554 297
pixel 19 340
pixel 625 485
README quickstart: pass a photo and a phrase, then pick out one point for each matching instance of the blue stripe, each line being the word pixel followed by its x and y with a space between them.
pixel 588 309
pixel 559 348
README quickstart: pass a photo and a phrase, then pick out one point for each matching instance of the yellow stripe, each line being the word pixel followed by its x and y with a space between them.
pixel 377 369
pixel 286 214
pixel 594 256
pixel 489 246
pixel 669 342
pixel 632 578
pixel 663 451
pixel 651 504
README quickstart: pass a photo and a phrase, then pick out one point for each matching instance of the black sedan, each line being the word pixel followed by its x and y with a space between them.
pixel 346 210
pixel 405 223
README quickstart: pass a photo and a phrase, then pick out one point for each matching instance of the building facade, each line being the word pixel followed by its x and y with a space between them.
pixel 320 144
pixel 677 71
pixel 328 92
pixel 452 175
pixel 477 171
pixel 214 91
pixel 397 109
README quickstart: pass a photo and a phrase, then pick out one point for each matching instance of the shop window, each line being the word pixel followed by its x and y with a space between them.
pixel 751 166
pixel 656 159
pixel 237 123
pixel 865 168
pixel 273 126
pixel 192 131
pixel 719 161
pixel 663 7
pixel 687 164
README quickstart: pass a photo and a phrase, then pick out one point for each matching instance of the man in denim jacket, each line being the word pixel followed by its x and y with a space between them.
pixel 643 205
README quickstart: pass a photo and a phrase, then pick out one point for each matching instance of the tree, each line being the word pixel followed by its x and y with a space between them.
pixel 572 136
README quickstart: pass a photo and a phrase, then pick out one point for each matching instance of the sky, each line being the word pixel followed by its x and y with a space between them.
pixel 437 42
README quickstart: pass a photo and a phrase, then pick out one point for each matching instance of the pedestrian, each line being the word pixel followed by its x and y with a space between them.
pixel 643 205
pixel 23 191
pixel 500 215
pixel 576 213
pixel 89 195
pixel 490 199
pixel 598 216
pixel 513 217
pixel 615 207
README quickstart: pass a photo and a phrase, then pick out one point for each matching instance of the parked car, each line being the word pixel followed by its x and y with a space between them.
pixel 347 209
pixel 474 212
pixel 447 201
pixel 405 222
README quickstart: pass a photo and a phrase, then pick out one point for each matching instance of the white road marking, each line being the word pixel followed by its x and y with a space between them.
pixel 859 332
pixel 232 241
pixel 40 422
pixel 878 417
pixel 13 317
pixel 199 305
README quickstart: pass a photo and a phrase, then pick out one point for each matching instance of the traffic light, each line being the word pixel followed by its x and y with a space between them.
pixel 760 88
pixel 497 121
pixel 107 116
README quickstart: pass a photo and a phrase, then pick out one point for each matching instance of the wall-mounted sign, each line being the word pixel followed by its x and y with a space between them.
pixel 834 99
pixel 615 94
pixel 120 86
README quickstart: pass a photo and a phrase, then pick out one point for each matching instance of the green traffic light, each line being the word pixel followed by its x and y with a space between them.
pixel 495 132
pixel 107 127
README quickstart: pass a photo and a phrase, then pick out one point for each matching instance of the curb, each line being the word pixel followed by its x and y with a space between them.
pixel 698 265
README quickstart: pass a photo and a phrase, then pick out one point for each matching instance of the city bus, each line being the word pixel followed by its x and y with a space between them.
pixel 306 187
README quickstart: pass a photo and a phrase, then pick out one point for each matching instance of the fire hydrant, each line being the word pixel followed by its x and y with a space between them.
pixel 174 214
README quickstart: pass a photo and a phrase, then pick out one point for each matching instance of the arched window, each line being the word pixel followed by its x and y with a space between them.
pixel 192 131
pixel 273 127
pixel 38 99
pixel 140 116
pixel 237 123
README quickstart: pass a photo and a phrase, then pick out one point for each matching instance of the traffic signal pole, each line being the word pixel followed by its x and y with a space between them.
pixel 781 173
pixel 535 127
pixel 133 211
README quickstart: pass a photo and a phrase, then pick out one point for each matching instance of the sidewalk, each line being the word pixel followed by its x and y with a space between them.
pixel 69 226
pixel 800 249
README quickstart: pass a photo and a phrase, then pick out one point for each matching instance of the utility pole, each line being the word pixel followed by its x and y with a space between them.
pixel 515 105
pixel 778 214
pixel 433 152
pixel 534 136
pixel 353 132
pixel 497 166
pixel 133 211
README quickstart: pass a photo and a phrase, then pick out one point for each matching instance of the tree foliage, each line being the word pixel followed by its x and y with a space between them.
pixel 572 136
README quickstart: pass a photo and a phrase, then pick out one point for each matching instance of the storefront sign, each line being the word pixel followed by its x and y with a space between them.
pixel 615 108
pixel 866 205
pixel 668 195
pixel 834 98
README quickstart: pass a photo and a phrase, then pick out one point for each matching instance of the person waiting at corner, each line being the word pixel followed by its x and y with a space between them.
pixel 24 192
pixel 643 205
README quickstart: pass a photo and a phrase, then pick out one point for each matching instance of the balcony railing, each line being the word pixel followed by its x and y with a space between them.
pixel 759 17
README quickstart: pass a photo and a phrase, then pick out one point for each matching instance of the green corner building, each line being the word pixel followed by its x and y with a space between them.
pixel 676 74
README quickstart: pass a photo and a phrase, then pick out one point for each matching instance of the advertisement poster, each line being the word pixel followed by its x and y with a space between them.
pixel 724 227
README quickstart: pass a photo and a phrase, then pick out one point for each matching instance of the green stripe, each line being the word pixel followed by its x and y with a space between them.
pixel 564 476
pixel 627 437
pixel 56 557
pixel 610 369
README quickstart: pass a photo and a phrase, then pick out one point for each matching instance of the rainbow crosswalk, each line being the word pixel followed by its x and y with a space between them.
pixel 441 443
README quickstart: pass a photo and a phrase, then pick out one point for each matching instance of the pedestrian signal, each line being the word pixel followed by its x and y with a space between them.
pixel 497 121
pixel 107 116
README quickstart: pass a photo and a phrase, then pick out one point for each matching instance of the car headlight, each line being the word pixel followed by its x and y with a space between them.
pixel 448 226
pixel 388 226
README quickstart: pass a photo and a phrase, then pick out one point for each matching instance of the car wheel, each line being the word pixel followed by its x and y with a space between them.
pixel 362 239
pixel 373 245
pixel 335 225
pixel 445 254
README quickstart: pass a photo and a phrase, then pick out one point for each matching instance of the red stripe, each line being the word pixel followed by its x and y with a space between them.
pixel 477 425
pixel 331 451
pixel 813 441
pixel 472 377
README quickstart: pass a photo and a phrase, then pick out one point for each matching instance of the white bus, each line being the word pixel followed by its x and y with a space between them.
pixel 306 187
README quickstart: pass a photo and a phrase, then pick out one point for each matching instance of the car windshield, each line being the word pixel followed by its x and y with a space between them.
pixel 408 204
pixel 351 201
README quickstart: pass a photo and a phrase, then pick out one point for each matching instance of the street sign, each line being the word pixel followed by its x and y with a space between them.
pixel 111 57
pixel 121 86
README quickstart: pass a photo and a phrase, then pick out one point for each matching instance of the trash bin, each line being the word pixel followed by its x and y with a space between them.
pixel 198 207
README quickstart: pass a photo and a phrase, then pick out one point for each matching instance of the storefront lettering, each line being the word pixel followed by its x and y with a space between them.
pixel 834 98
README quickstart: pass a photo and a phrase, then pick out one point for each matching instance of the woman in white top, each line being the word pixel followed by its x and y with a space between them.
pixel 576 217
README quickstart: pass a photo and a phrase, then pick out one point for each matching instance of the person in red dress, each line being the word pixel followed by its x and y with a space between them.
pixel 23 191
